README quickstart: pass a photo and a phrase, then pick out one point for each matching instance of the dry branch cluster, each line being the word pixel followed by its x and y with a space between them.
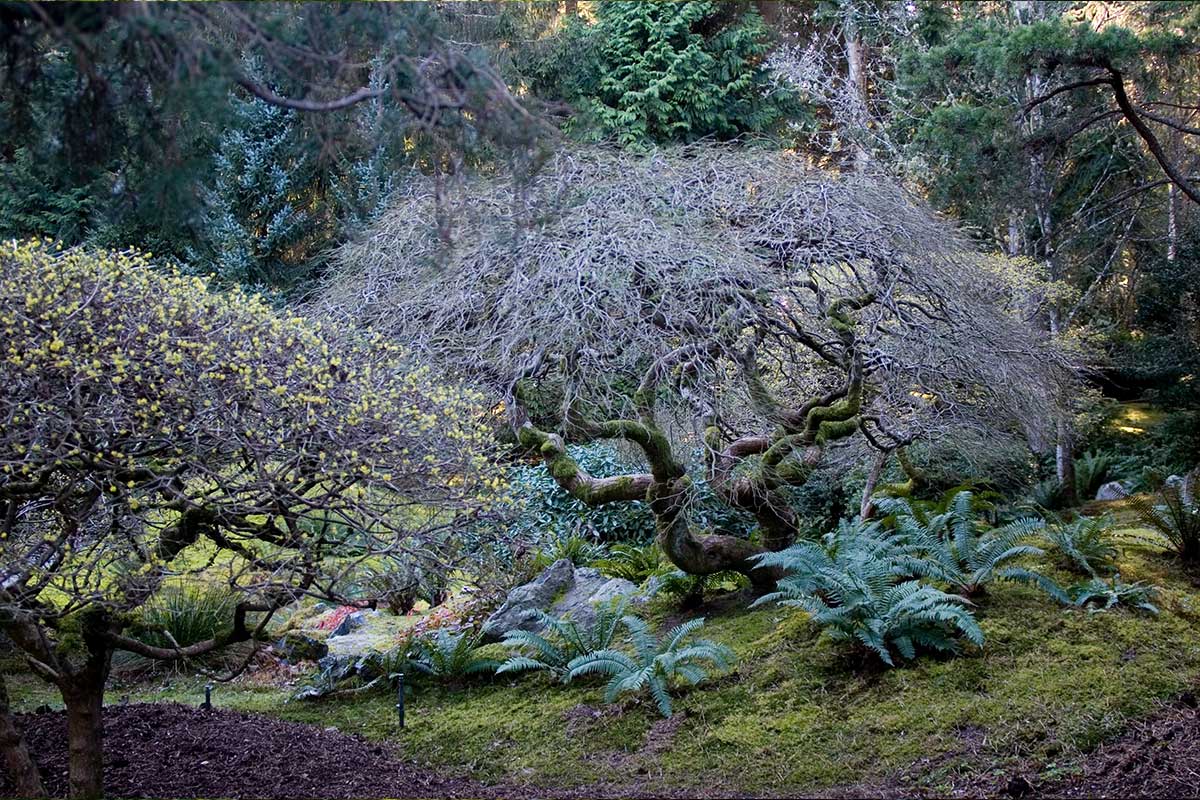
pixel 730 298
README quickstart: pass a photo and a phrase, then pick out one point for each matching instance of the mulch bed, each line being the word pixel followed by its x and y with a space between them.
pixel 171 750
pixel 167 750
pixel 1157 757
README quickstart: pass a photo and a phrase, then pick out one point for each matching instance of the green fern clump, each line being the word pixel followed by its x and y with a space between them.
pixel 184 615
pixel 1101 595
pixel 855 588
pixel 450 655
pixel 580 550
pixel 689 589
pixel 1084 546
pixel 562 641
pixel 654 664
pixel 1047 493
pixel 632 562
pixel 1175 519
pixel 1092 470
pixel 966 554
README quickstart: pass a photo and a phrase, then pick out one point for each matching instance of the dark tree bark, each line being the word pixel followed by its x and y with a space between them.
pixel 26 780
pixel 85 739
pixel 867 506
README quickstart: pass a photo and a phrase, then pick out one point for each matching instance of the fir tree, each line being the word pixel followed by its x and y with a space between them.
pixel 255 221
pixel 678 72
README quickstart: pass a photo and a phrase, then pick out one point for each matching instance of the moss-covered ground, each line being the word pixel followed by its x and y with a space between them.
pixel 798 713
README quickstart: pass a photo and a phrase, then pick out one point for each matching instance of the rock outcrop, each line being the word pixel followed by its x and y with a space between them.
pixel 561 590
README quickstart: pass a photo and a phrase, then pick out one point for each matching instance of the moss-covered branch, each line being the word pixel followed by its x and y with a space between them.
pixel 915 477
pixel 568 474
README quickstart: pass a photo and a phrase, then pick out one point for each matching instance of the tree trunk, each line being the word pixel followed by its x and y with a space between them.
pixel 85 739
pixel 26 780
pixel 1172 224
pixel 867 507
pixel 1064 444
pixel 857 85
pixel 701 555
pixel 1014 234
pixel 1064 461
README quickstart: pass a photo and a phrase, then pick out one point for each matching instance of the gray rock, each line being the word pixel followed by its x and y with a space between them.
pixel 336 669
pixel 297 646
pixel 1174 482
pixel 560 590
pixel 589 592
pixel 1113 490
pixel 349 623
pixel 518 610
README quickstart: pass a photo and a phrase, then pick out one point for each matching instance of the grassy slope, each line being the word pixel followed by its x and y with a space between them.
pixel 796 713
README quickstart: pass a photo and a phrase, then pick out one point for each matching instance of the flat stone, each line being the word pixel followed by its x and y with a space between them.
pixel 1113 490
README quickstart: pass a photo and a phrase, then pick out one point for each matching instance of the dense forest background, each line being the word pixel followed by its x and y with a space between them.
pixel 248 141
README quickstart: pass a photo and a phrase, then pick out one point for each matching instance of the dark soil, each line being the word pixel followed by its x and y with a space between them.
pixel 173 751
pixel 170 750
pixel 1157 757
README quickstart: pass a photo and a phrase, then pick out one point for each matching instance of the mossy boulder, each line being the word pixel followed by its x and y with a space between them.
pixel 561 590
pixel 300 646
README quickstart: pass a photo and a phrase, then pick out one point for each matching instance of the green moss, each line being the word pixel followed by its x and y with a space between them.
pixel 799 714
pixel 830 431
pixel 563 468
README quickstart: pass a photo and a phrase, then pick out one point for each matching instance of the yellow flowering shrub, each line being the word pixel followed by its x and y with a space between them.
pixel 142 413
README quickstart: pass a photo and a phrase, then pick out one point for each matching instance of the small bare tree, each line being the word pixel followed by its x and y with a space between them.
pixel 730 302
pixel 151 429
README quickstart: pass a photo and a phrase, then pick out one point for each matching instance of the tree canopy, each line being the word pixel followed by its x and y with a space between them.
pixel 733 299
pixel 153 428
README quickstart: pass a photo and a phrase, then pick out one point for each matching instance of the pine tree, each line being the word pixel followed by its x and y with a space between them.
pixel 678 72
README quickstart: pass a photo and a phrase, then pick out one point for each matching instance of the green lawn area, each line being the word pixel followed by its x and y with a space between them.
pixel 796 713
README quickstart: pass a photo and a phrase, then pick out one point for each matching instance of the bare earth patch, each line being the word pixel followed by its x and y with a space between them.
pixel 172 750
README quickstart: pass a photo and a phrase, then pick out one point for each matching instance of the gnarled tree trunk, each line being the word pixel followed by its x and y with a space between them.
pixel 23 772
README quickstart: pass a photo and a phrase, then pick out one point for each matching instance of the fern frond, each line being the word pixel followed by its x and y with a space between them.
pixel 601 662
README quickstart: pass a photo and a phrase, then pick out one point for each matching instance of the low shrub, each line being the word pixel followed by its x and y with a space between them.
pixel 961 550
pixel 853 586
pixel 1176 520
pixel 450 655
pixel 1101 595
pixel 562 642
pixel 185 615
pixel 1084 545
pixel 633 562
pixel 579 550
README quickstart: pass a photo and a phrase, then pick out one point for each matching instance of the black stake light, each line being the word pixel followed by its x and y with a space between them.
pixel 207 704
pixel 400 697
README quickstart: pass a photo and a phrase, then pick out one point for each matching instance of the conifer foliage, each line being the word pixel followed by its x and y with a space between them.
pixel 679 72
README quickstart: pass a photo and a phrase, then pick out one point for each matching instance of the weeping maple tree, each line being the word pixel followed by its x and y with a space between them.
pixel 148 424
pixel 726 306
